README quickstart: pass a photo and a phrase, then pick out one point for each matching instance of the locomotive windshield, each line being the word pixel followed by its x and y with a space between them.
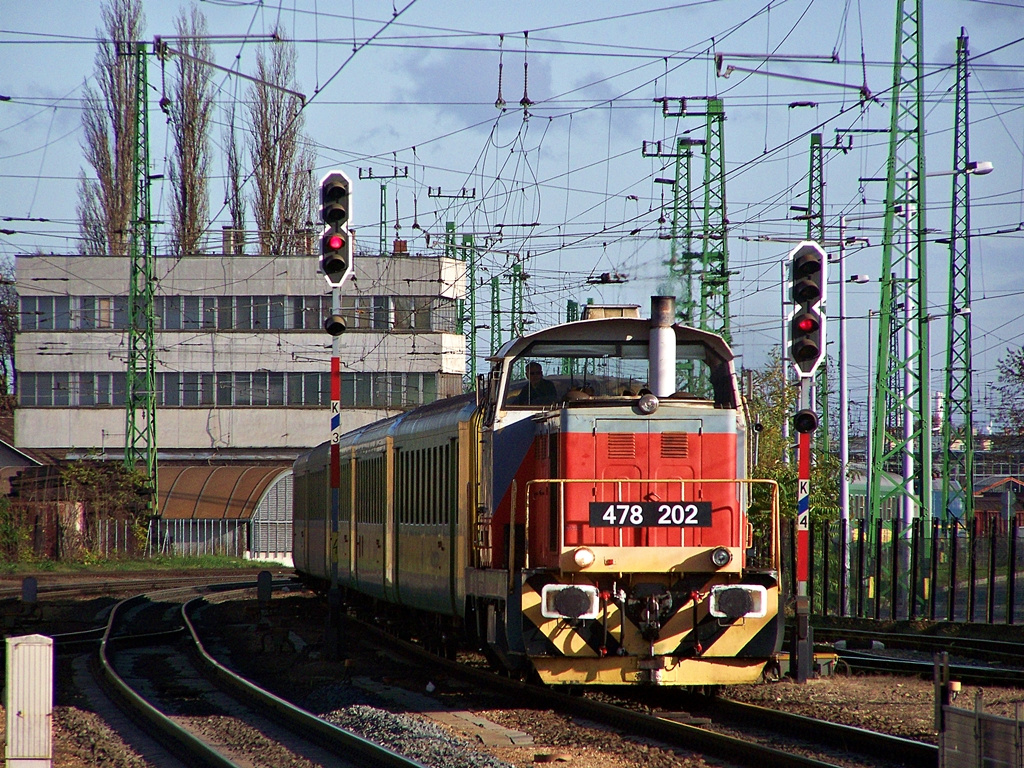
pixel 553 372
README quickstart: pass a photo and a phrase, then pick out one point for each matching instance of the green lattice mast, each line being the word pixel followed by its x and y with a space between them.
pixel 958 419
pixel 902 379
pixel 714 274
pixel 140 411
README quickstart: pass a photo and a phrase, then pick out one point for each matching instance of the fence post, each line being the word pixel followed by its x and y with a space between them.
pixel 810 561
pixel 915 543
pixel 954 551
pixel 972 571
pixel 862 564
pixel 878 568
pixel 1011 570
pixel 825 558
pixel 934 569
pixel 991 595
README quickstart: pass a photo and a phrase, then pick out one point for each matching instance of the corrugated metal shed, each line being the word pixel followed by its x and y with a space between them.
pixel 213 493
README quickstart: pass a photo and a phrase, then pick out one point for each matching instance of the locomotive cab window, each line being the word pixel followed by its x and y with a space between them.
pixel 550 373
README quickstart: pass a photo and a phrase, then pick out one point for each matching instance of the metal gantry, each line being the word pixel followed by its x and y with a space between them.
pixel 140 411
pixel 714 275
pixel 816 232
pixel 902 379
pixel 958 418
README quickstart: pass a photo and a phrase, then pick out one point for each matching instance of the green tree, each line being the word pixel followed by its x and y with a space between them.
pixel 1009 409
pixel 771 402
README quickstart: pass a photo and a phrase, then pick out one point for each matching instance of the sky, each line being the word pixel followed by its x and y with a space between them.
pixel 404 94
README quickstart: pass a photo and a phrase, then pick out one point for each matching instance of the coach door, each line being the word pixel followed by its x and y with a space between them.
pixel 651 456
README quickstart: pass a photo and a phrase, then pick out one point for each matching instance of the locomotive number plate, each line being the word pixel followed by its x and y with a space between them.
pixel 696 514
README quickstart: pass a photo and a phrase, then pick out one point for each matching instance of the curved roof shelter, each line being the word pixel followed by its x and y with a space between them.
pixel 214 493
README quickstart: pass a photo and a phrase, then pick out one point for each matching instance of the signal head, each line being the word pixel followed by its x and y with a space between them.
pixel 806 291
pixel 334 198
pixel 335 325
pixel 807 261
pixel 805 421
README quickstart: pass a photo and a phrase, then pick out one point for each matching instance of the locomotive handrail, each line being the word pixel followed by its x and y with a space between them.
pixel 561 482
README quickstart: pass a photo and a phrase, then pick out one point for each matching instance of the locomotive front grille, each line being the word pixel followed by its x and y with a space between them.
pixel 675 445
pixel 621 445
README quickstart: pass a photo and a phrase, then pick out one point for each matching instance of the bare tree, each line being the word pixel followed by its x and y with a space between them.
pixel 191 102
pixel 234 198
pixel 9 310
pixel 282 158
pixel 109 122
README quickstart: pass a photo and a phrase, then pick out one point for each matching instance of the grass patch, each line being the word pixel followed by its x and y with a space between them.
pixel 157 563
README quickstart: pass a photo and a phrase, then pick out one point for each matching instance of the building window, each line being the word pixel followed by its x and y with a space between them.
pixel 169 391
pixel 29 314
pixel 171 312
pixel 224 389
pixel 276 306
pixel 120 313
pixel 210 312
pixel 225 313
pixel 192 312
pixel 243 313
pixel 259 389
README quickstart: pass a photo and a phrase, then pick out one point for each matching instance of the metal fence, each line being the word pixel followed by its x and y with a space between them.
pixel 199 537
pixel 927 570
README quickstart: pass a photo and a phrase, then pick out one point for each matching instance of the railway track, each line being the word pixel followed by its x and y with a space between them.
pixel 741 734
pixel 976 661
pixel 203 713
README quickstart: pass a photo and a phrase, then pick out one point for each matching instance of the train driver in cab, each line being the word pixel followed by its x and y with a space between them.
pixel 540 391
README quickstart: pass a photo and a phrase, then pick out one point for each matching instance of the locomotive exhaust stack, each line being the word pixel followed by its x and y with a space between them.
pixel 662 346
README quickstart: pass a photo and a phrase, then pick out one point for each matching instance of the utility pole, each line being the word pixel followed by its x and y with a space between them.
pixel 396 173
pixel 140 414
pixel 958 416
pixel 495 315
pixel 469 256
pixel 902 379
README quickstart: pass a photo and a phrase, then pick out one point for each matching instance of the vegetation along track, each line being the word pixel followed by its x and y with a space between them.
pixel 167 682
pixel 740 734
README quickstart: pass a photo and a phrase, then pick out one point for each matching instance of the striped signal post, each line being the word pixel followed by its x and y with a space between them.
pixel 807 271
pixel 336 251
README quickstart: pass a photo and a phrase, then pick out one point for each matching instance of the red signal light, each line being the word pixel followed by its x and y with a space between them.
pixel 336 242
pixel 806 324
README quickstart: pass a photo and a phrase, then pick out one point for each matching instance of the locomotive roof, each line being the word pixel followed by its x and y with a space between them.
pixel 612 329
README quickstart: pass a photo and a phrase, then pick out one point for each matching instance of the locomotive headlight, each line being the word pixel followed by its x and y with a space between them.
pixel 738 601
pixel 648 404
pixel 583 557
pixel 569 601
pixel 721 557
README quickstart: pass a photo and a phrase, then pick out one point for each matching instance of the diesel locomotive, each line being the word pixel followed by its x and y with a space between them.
pixel 590 523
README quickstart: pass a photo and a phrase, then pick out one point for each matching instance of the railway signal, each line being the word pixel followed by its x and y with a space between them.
pixel 336 239
pixel 807 271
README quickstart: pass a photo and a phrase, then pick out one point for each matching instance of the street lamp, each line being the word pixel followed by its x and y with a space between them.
pixel 844 418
